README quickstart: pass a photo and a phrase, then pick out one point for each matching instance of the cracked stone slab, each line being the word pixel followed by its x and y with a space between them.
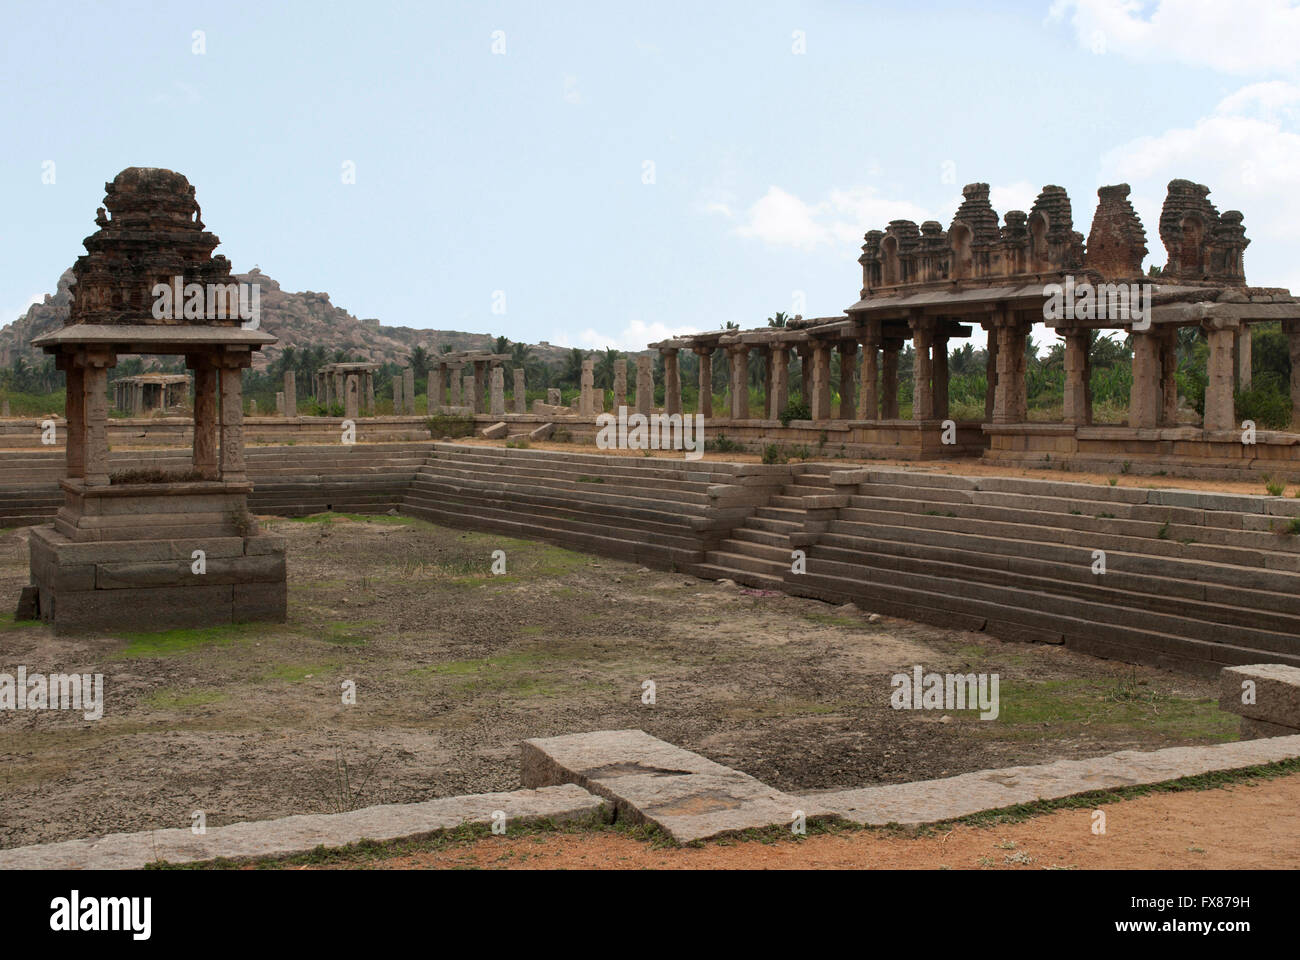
pixel 688 796
pixel 1276 688
pixel 303 833
pixel 930 801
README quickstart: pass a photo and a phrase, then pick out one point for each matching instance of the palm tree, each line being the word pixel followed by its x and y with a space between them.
pixel 572 368
pixel 777 321
pixel 419 361
pixel 606 367
pixel 502 345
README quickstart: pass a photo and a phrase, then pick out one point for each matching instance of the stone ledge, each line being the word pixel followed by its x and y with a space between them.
pixel 302 833
pixel 1276 704
pixel 686 795
pixel 932 801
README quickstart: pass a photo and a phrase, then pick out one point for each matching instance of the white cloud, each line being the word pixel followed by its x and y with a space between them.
pixel 571 92
pixel 1013 196
pixel 633 337
pixel 715 206
pixel 1248 152
pixel 1249 37
pixel 779 218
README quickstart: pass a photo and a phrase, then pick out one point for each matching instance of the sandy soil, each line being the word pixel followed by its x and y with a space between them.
pixel 454 667
pixel 1246 825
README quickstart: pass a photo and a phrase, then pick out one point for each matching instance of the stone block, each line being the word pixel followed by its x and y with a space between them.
pixel 688 796
pixel 1274 687
pixel 497 431
pixel 543 432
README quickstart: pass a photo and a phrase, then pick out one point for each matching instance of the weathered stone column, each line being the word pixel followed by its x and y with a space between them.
pixel 352 396
pixel 1076 408
pixel 1292 330
pixel 869 375
pixel 1145 396
pixel 96 427
pixel 399 404
pixel 939 376
pixel 408 390
pixel 848 360
pixel 738 356
pixel 290 394
pixel 480 386
pixel 891 347
pixel 821 380
pixel 74 411
pixel 620 382
pixel 645 385
pixel 672 382
pixel 370 393
pixel 922 369
pixel 705 402
pixel 1169 377
pixel 1219 411
pixel 779 365
pixel 1010 396
pixel 498 391
pixel 520 394
pixel 454 380
pixel 1244 359
pixel 205 417
pixel 468 391
pixel 436 388
pixel 232 421
pixel 587 385
pixel 279 402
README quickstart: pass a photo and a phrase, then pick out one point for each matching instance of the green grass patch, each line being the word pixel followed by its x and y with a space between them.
pixel 335 517
pixel 170 643
pixel 349 634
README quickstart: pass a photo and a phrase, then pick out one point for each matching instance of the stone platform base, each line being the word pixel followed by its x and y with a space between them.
pixel 151 584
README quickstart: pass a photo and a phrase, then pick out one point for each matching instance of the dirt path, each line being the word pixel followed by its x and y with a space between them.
pixel 1246 825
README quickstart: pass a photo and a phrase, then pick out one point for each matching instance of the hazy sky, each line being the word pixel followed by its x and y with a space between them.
pixel 773 135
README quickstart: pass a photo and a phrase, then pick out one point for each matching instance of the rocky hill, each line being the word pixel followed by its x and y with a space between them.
pixel 297 319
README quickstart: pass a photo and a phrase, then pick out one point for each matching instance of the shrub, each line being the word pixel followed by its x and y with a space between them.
pixel 723 444
pixel 441 426
pixel 772 454
pixel 795 410
pixel 1274 486
pixel 1267 402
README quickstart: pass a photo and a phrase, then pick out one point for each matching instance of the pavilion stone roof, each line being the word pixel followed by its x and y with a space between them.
pixel 159 378
pixel 471 356
pixel 349 366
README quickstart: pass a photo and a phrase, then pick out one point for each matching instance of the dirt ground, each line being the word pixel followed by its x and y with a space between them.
pixel 1242 826
pixel 454 667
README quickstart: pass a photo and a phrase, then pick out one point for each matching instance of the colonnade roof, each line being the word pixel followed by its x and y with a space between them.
pixel 470 356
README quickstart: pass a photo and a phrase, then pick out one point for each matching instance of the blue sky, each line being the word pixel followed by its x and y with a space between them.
pixel 524 172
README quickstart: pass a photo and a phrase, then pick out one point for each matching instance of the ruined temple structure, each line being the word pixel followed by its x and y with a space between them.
pixel 447 371
pixel 145 548
pixel 350 385
pixel 150 391
pixel 930 285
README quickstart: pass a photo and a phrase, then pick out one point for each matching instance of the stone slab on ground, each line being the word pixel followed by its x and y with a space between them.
pixel 930 801
pixel 1276 700
pixel 303 833
pixel 688 796
pixel 496 431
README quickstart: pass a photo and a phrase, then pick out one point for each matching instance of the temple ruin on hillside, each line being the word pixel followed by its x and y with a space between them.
pixel 148 548
pixel 147 392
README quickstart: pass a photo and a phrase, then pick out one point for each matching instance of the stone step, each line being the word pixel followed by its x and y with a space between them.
pixel 713 571
pixel 745 561
pixel 590 493
pixel 695 494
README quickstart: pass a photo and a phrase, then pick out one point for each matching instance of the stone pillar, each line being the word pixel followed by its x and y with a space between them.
pixel 290 394
pixel 738 354
pixel 74 411
pixel 672 383
pixel 705 403
pixel 779 392
pixel 1009 402
pixel 765 354
pixel 520 394
pixel 279 403
pixel 554 398
pixel 480 386
pixel 436 389
pixel 939 376
pixel 587 384
pixel 205 417
pixel 922 369
pixel 1244 344
pixel 990 372
pixel 848 360
pixel 645 385
pixel 468 391
pixel 399 404
pixel 1169 377
pixel 1145 395
pixel 370 393
pixel 1219 411
pixel 96 428
pixel 1077 409
pixel 891 347
pixel 232 421
pixel 869 377
pixel 139 399
pixel 620 382
pixel 454 382
pixel 352 396
pixel 408 390
pixel 1292 330
pixel 498 391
